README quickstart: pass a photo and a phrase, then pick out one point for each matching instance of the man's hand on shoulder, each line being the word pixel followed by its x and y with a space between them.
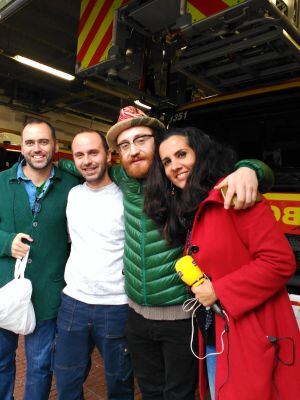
pixel 242 188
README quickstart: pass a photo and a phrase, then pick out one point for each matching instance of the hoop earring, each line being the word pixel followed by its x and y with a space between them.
pixel 172 189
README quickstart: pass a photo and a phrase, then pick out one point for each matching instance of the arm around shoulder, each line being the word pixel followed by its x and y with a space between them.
pixel 115 173
pixel 69 167
pixel 264 173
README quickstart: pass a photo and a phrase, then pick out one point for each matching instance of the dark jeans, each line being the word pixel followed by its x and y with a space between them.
pixel 80 327
pixel 38 348
pixel 162 360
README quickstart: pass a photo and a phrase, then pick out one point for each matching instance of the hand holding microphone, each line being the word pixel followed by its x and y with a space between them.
pixel 192 275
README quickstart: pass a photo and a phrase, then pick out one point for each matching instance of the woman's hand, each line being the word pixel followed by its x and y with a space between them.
pixel 205 293
pixel 242 188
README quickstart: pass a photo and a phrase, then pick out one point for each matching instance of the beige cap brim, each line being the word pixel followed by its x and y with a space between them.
pixel 115 130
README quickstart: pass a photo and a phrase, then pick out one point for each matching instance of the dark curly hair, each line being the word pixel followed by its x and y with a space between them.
pixel 174 214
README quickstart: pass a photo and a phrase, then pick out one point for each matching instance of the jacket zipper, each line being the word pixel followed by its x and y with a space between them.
pixel 143 257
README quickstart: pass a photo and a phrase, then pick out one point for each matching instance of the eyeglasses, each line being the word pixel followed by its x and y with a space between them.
pixel 139 142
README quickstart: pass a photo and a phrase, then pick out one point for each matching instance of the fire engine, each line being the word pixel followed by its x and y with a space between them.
pixel 261 123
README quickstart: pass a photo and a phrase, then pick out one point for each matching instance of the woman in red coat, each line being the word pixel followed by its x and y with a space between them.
pixel 248 262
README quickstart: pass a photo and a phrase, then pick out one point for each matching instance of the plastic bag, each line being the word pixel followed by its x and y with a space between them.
pixel 16 309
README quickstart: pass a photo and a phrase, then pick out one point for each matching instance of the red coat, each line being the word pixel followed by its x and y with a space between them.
pixel 249 261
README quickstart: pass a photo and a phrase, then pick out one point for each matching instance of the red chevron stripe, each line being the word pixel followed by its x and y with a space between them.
pixel 86 14
pixel 92 33
pixel 102 46
pixel 104 42
pixel 209 7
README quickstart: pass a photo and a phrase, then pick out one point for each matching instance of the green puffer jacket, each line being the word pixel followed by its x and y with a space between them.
pixel 150 277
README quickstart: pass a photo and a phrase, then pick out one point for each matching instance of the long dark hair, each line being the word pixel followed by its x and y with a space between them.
pixel 173 209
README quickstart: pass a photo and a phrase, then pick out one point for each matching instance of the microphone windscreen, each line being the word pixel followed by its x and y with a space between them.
pixel 188 270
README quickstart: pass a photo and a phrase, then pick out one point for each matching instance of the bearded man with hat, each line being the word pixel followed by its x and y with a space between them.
pixel 158 330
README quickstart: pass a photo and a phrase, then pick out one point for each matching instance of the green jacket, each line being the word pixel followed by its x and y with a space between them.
pixel 150 277
pixel 49 250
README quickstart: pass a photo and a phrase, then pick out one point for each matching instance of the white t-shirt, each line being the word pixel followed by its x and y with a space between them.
pixel 96 226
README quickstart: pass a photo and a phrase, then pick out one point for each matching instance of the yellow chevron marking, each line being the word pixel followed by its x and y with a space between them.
pixel 83 6
pixel 282 196
pixel 89 23
pixel 100 34
pixel 233 2
pixel 195 13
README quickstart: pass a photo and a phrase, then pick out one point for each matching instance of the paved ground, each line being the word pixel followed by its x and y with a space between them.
pixel 94 388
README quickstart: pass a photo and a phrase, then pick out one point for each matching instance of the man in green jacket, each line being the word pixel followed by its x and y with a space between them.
pixel 33 214
pixel 158 330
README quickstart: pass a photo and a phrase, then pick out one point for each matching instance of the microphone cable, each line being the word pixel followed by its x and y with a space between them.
pixel 193 305
pixel 275 341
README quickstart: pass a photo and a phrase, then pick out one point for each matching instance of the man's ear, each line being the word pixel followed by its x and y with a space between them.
pixel 56 146
pixel 108 156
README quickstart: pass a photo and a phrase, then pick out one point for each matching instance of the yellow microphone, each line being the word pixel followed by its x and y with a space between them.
pixel 190 273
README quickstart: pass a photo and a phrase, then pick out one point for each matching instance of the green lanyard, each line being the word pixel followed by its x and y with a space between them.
pixel 39 189
pixel 38 198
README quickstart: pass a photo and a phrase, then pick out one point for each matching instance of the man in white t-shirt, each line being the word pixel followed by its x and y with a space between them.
pixel 94 306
